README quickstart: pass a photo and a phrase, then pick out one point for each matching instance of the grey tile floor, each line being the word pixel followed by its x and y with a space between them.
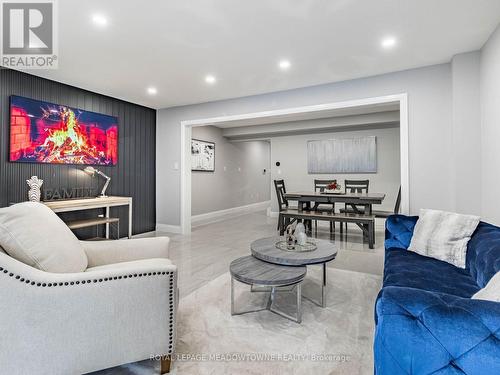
pixel 206 253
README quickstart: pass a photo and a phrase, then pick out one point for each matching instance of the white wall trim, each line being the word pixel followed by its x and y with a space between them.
pixel 185 179
pixel 404 154
pixel 168 228
pixel 310 109
pixel 186 125
pixel 214 216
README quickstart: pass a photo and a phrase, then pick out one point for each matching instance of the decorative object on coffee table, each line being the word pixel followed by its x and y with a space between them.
pixel 252 271
pixel 34 193
pixel 295 239
pixel 300 234
pixel 290 236
pixel 92 171
pixel 300 228
pixel 301 238
pixel 308 245
pixel 265 249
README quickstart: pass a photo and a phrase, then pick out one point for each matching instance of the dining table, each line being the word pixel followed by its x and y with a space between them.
pixel 310 200
pixel 354 200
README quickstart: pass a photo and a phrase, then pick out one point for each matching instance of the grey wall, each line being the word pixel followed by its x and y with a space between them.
pixel 490 128
pixel 466 134
pixel 430 131
pixel 134 175
pixel 238 179
pixel 291 152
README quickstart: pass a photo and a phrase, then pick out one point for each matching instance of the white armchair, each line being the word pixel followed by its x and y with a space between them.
pixel 121 309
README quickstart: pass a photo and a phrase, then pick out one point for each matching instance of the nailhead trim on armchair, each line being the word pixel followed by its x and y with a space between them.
pixel 100 280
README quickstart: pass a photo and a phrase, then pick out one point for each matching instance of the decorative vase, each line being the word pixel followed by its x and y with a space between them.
pixel 300 228
pixel 301 238
pixel 34 193
pixel 290 236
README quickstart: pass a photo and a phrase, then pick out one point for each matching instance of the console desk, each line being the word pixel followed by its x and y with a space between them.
pixel 66 205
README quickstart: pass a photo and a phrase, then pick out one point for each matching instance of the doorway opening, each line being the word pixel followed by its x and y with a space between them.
pixel 288 117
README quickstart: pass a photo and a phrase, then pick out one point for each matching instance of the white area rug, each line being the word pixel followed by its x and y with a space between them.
pixel 334 340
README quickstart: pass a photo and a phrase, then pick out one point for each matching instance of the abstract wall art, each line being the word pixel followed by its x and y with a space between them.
pixel 345 155
pixel 202 156
pixel 42 132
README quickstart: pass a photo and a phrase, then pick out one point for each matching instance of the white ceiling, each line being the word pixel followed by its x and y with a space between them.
pixel 173 44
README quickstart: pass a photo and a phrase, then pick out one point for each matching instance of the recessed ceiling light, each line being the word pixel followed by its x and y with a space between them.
pixel 152 91
pixel 284 64
pixel 210 79
pixel 388 42
pixel 99 20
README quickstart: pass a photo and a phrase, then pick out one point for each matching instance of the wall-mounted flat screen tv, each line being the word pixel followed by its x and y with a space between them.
pixel 42 132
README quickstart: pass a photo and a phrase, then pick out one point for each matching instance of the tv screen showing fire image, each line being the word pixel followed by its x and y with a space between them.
pixel 42 132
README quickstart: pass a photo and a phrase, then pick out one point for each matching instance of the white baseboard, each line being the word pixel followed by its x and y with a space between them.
pixel 273 214
pixel 168 228
pixel 211 217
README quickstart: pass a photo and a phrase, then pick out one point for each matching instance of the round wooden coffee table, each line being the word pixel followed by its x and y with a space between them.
pixel 265 249
pixel 252 271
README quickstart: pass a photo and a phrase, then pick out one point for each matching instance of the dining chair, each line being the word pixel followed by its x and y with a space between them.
pixel 319 187
pixel 279 186
pixel 386 214
pixel 354 186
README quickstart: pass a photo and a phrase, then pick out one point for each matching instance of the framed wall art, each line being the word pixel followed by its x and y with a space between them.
pixel 202 156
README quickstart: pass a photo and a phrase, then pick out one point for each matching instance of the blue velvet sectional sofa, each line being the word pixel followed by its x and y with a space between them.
pixel 426 322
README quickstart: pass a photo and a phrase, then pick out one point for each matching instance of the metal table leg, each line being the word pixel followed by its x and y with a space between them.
pixel 322 301
pixel 298 315
pixel 269 306
pixel 232 296
pixel 323 287
pixel 270 301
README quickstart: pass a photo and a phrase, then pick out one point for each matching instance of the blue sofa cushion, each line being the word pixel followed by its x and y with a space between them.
pixel 421 332
pixel 483 253
pixel 399 230
pixel 405 268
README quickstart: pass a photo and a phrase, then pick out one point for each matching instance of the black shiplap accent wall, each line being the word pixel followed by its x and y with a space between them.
pixel 134 175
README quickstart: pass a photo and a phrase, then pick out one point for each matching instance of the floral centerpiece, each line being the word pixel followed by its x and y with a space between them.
pixel 334 187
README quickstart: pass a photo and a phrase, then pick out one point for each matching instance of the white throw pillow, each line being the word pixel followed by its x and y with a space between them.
pixel 31 233
pixel 491 292
pixel 443 235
